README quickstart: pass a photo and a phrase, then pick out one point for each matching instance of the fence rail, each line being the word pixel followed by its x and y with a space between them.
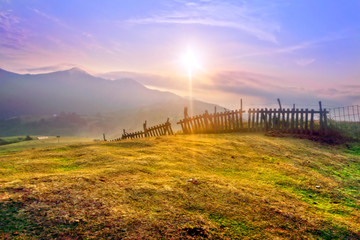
pixel 158 130
pixel 288 120
pixel 296 121
pixel 345 114
pixel 302 121
pixel 228 121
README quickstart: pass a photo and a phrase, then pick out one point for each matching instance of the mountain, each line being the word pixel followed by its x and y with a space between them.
pixel 123 103
pixel 73 90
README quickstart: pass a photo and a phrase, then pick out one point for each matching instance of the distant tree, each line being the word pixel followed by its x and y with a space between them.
pixel 3 142
pixel 28 138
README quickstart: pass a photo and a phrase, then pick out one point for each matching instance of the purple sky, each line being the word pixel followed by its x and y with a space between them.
pixel 300 51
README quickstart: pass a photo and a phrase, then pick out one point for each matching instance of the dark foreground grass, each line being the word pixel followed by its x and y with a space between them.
pixel 248 187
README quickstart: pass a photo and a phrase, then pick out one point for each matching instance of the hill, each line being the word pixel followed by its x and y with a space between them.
pixel 234 186
pixel 99 105
pixel 72 90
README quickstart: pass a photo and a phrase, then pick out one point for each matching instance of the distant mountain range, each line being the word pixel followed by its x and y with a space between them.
pixel 124 100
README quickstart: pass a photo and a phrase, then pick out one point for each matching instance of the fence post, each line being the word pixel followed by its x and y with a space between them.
pixel 312 122
pixel 182 126
pixel 325 122
pixel 165 128
pixel 278 120
pixel 145 129
pixel 253 120
pixel 222 127
pixel 124 134
pixel 283 120
pixel 274 119
pixel 287 120
pixel 297 120
pixel 237 119
pixel 262 125
pixel 321 118
pixel 279 104
pixel 195 124
pixel 216 122
pixel 249 114
pixel 257 120
pixel 192 124
pixel 241 116
pixel 170 128
pixel 301 120
pixel 187 124
pixel 185 112
pixel 226 120
pixel 306 120
pixel 292 119
pixel 206 120
pixel 265 120
pixel 353 108
pixel 269 120
pixel 233 120
pixel 203 124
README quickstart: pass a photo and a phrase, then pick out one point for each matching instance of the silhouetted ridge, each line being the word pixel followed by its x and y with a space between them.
pixel 75 90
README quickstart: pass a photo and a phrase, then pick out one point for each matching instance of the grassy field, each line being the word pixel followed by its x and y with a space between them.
pixel 35 143
pixel 226 186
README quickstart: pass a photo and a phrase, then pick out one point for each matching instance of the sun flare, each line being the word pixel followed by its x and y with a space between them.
pixel 191 61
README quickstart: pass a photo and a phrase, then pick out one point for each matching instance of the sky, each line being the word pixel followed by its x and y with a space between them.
pixel 298 51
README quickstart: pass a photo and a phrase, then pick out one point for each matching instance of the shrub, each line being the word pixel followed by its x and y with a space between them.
pixel 3 142
pixel 28 138
pixel 348 130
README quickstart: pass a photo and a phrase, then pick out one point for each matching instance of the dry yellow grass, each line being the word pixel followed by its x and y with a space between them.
pixel 247 186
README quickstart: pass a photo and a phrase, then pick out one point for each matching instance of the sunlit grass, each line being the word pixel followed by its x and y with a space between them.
pixel 249 186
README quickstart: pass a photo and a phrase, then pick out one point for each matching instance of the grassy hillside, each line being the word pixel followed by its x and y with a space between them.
pixel 244 186
pixel 35 143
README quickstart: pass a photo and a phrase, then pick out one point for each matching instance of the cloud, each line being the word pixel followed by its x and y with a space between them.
pixel 52 68
pixel 305 61
pixel 352 86
pixel 217 14
pixel 251 85
pixel 150 80
pixel 297 47
pixel 51 18
pixel 269 88
pixel 88 35
pixel 340 91
pixel 12 35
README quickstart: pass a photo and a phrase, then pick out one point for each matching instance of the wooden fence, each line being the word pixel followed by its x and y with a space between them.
pixel 158 130
pixel 228 121
pixel 296 121
pixel 302 121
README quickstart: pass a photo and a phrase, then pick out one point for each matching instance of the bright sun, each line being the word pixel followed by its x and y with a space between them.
pixel 190 61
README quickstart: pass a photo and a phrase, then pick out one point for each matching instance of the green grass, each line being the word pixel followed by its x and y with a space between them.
pixel 35 143
pixel 353 148
pixel 350 130
pixel 10 140
pixel 249 187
